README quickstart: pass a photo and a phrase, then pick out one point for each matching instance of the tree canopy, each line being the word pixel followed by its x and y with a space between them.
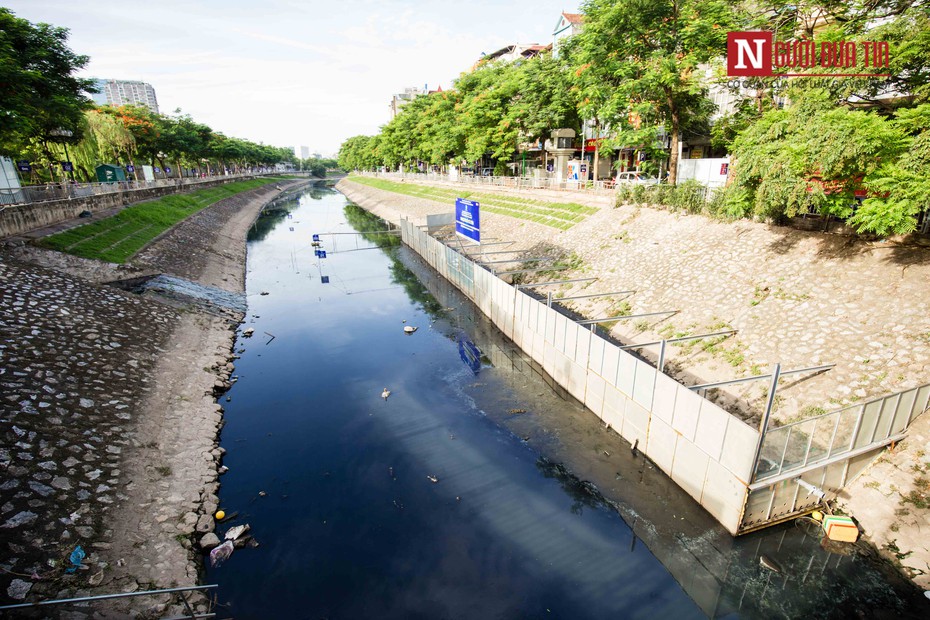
pixel 856 148
pixel 638 63
pixel 40 91
pixel 44 109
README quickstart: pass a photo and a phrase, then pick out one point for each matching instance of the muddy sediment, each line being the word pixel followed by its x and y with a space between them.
pixel 109 415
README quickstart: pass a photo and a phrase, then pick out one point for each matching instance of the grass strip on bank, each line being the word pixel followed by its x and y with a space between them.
pixel 557 215
pixel 117 238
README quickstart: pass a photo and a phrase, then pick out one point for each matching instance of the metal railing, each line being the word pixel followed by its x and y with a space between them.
pixel 63 191
pixel 180 592
pixel 807 442
pixel 604 186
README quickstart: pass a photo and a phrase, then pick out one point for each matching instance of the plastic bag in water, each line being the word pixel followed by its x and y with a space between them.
pixel 221 554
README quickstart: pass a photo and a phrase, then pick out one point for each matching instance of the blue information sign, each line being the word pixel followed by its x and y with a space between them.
pixel 130 168
pixel 157 169
pixel 467 221
pixel 315 237
pixel 167 170
pixel 24 166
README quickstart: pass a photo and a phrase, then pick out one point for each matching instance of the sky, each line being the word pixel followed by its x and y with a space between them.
pixel 290 72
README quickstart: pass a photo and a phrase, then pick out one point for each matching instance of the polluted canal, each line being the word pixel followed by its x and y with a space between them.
pixel 476 488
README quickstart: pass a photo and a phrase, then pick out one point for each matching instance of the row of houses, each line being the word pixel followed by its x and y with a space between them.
pixel 588 158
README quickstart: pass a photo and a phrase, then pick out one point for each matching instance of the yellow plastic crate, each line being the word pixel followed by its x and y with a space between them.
pixel 841 529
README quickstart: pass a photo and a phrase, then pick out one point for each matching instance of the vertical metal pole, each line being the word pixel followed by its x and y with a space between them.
pixel 68 158
pixel 549 299
pixel 661 356
pixel 763 427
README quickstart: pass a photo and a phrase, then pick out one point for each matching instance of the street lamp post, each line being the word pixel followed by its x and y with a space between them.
pixel 64 133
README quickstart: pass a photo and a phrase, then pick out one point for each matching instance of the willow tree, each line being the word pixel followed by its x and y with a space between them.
pixel 637 63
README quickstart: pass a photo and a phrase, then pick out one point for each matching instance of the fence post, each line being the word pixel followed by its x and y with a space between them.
pixel 764 425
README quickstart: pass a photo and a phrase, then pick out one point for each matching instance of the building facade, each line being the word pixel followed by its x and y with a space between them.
pixel 399 100
pixel 125 92
pixel 568 24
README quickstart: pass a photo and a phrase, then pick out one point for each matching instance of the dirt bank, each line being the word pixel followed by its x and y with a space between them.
pixel 128 470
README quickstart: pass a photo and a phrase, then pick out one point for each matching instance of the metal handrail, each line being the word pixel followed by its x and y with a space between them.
pixel 50 192
pixel 101 597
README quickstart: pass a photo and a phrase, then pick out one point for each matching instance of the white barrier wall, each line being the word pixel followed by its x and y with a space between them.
pixel 708 172
pixel 705 450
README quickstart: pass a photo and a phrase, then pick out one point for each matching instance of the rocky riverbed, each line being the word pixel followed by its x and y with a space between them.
pixel 109 416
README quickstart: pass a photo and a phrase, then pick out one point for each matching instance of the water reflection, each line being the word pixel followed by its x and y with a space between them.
pixel 537 511
pixel 722 575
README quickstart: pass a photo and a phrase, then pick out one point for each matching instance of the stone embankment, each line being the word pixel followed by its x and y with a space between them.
pixel 799 298
pixel 17 219
pixel 109 416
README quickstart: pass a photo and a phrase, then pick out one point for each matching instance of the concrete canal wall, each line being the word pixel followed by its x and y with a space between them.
pixel 20 218
pixel 704 449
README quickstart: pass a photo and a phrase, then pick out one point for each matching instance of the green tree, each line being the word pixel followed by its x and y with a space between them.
pixel 184 140
pixel 487 94
pixel 546 98
pixel 40 92
pixel 637 65
pixel 360 153
pixel 809 159
pixel 900 189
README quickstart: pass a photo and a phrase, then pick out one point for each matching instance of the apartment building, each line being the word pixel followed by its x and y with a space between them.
pixel 125 92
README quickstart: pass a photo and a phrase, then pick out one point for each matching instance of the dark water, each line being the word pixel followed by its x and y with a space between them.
pixel 352 526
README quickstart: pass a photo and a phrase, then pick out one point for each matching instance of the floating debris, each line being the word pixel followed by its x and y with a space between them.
pixel 247 333
pixel 409 329
pixel 516 411
pixel 236 531
pixel 262 494
pixel 221 554
pixel 385 393
pixel 770 564
pixel 432 478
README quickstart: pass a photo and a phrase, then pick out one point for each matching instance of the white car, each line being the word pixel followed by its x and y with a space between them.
pixel 636 177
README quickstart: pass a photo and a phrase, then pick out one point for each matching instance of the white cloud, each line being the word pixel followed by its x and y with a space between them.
pixel 289 72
